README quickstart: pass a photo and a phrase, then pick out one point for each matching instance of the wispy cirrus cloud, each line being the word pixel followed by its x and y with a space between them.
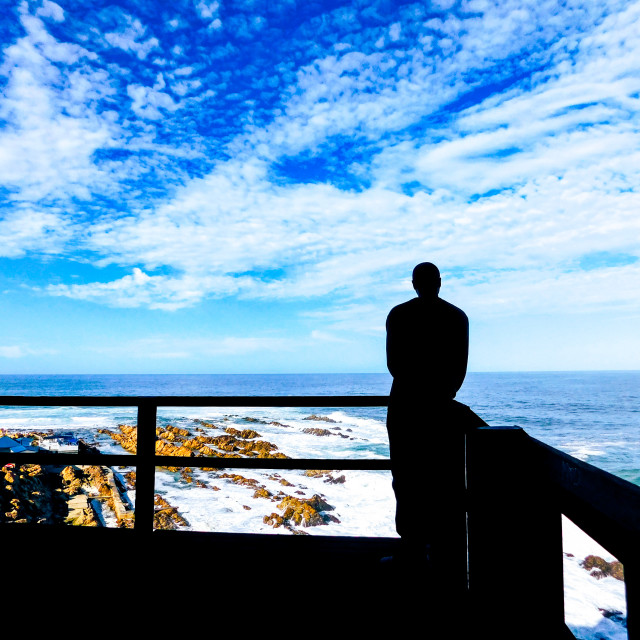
pixel 16 351
pixel 25 230
pixel 156 292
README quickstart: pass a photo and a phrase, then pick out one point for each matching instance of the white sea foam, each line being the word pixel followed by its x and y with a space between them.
pixel 588 601
pixel 586 452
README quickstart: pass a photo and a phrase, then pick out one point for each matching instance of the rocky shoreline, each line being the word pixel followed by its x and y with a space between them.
pixel 56 494
pixel 83 495
pixel 294 513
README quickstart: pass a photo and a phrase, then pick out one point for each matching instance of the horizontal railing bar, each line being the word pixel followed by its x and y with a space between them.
pixel 275 463
pixel 195 401
pixel 108 460
pixel 60 459
pixel 605 506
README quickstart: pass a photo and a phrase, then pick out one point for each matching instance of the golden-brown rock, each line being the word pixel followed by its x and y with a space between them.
pixel 300 512
pixel 166 516
pixel 248 434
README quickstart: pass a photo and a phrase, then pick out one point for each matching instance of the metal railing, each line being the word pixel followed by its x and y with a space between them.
pixel 517 489
pixel 145 459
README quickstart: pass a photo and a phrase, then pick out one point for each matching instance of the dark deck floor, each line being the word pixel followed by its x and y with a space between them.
pixel 301 585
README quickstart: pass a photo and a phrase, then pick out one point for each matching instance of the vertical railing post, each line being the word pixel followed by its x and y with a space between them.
pixel 456 513
pixel 632 587
pixel 145 471
pixel 515 538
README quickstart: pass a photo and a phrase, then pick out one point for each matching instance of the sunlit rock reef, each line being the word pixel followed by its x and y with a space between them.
pixel 281 508
pixel 93 495
pixel 87 495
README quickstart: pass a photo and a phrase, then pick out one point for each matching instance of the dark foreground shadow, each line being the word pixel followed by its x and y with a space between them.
pixel 264 584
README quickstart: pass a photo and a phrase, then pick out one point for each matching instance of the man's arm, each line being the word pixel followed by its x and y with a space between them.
pixel 460 351
pixel 392 348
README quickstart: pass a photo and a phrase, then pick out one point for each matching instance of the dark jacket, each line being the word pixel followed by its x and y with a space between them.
pixel 427 348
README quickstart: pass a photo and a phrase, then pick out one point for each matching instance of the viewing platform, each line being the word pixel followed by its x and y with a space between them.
pixel 505 574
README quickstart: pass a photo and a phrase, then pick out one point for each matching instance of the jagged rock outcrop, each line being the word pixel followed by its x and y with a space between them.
pixel 234 443
pixel 308 512
pixel 238 479
pixel 73 480
pixel 315 431
pixel 130 477
pixel 316 473
pixel 327 474
pixel 263 492
pixel 32 494
pixel 599 568
pixel 127 436
pixel 56 495
pixel 98 479
pixel 320 418
pixel 204 423
pixel 177 431
pixel 164 448
pixel 247 434
pixel 174 441
pixel 165 516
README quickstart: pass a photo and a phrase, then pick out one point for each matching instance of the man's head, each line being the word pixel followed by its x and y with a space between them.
pixel 426 280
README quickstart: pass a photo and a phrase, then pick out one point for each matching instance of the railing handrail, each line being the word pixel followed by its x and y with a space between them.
pixel 322 401
pixel 197 401
pixel 609 506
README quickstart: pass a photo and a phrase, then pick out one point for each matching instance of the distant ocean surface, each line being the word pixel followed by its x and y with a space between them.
pixel 594 416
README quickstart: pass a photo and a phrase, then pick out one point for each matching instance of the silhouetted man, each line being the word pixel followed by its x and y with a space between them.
pixel 427 349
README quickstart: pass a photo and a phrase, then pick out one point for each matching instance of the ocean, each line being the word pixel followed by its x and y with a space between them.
pixel 594 416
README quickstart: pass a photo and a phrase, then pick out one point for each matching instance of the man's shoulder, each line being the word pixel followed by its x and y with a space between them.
pixel 405 306
pixel 416 305
pixel 403 309
pixel 452 309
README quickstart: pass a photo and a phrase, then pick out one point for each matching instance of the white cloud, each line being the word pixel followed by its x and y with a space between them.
pixel 323 336
pixel 178 348
pixel 209 11
pixel 147 101
pixel 27 229
pixel 355 94
pixel 130 38
pixel 11 352
pixel 155 292
pixel 51 10
pixel 22 351
pixel 39 42
pixel 51 128
pixel 547 290
pixel 569 175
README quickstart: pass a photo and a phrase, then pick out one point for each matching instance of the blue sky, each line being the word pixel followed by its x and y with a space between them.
pixel 197 186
